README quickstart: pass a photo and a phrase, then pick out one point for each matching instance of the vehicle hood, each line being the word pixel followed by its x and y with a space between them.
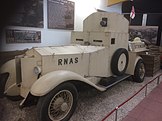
pixel 71 49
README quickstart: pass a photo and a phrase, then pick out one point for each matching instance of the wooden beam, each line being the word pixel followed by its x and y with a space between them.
pixel 113 2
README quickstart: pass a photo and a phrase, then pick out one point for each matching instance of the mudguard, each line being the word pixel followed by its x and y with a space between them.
pixel 138 58
pixel 132 65
pixel 10 89
pixel 49 81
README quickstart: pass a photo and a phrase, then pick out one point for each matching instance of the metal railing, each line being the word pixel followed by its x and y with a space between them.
pixel 146 91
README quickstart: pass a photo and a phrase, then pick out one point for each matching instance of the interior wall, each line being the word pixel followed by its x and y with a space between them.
pixel 55 37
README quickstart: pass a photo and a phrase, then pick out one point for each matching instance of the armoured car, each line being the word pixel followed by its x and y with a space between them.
pixel 99 56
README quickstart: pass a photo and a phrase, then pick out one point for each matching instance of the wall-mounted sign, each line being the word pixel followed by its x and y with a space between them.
pixel 23 36
pixel 29 14
pixel 60 14
pixel 113 2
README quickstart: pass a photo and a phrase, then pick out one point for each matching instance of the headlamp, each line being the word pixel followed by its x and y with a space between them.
pixel 37 70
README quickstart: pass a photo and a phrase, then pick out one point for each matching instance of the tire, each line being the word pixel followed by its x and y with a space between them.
pixel 3 80
pixel 119 62
pixel 139 72
pixel 59 104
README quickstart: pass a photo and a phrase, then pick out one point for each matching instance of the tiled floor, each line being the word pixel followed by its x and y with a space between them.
pixel 149 109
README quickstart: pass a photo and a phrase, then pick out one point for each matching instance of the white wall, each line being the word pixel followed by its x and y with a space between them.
pixel 55 37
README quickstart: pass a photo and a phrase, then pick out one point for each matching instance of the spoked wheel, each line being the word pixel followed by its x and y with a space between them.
pixel 139 72
pixel 59 104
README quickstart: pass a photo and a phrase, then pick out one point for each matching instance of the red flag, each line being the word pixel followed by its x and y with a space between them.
pixel 132 14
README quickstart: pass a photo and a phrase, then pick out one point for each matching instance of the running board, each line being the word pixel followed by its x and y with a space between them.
pixel 108 82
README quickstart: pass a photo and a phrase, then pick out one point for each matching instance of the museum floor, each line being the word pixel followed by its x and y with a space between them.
pixel 149 109
pixel 94 106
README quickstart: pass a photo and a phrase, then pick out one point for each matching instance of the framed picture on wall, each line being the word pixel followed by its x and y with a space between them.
pixel 29 14
pixel 22 36
pixel 60 14
pixel 146 33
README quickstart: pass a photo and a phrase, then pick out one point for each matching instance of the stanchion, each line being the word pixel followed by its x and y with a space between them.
pixel 116 113
pixel 158 80
pixel 146 90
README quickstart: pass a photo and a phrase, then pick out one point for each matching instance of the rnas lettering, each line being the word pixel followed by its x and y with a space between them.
pixel 67 61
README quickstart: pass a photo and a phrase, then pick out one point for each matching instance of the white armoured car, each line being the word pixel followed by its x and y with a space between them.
pixel 99 56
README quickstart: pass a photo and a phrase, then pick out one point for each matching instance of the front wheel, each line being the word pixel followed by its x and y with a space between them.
pixel 139 72
pixel 59 104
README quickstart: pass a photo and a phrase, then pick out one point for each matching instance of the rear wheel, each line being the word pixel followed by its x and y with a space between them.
pixel 139 72
pixel 59 104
